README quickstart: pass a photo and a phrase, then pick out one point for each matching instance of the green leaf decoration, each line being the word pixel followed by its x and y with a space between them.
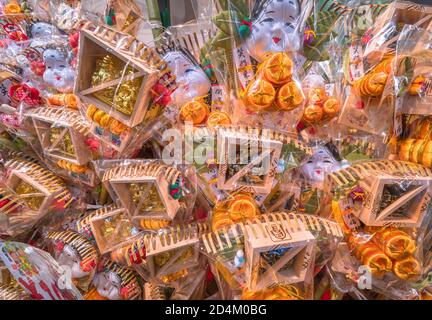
pixel 322 23
pixel 223 22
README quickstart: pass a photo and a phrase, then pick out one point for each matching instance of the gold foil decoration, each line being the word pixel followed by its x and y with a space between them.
pixel 152 201
pixel 23 189
pixel 122 96
pixel 174 276
pixel 116 229
pixel 64 143
pixel 162 258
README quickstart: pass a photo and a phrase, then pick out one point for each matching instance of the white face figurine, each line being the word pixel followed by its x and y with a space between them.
pixel 69 257
pixel 58 73
pixel 39 31
pixel 275 29
pixel 108 285
pixel 319 164
pixel 191 80
pixel 42 29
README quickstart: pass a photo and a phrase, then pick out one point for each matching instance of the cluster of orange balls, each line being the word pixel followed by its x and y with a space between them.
pixel 391 250
pixel 320 107
pixel 274 86
pixel 71 167
pixel 105 120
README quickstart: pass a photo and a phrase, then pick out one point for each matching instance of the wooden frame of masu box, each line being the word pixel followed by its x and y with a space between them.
pixel 17 176
pixel 183 241
pixel 407 211
pixel 295 260
pixel 231 143
pixel 96 42
pixel 117 141
pixel 47 185
pixel 71 123
pixel 98 221
pixel 152 175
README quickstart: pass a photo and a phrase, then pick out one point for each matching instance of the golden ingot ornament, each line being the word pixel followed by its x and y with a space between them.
pixel 24 189
pixel 123 96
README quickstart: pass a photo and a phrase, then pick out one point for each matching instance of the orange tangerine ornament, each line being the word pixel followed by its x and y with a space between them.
pixel 117 127
pixel 278 68
pixel 317 96
pixel 313 113
pixel 395 243
pixel 218 118
pixel 97 116
pixel 260 95
pixel 331 107
pixel 105 121
pixel 289 96
pixel 91 109
pixel 194 111
pixel 426 158
pixel 12 8
pixel 242 207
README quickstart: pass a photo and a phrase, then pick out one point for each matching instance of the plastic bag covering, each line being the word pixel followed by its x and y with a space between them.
pixel 121 87
pixel 246 257
pixel 37 272
pixel 411 77
pixel 265 66
pixel 29 192
pixel 167 257
pixel 247 158
pixel 383 207
pixel 369 62
pixel 64 138
pixel 72 250
pixel 322 102
pixel 112 282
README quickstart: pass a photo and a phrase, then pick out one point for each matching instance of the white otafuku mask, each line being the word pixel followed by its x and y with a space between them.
pixel 43 29
pixel 58 73
pixel 191 80
pixel 108 285
pixel 319 164
pixel 69 257
pixel 275 29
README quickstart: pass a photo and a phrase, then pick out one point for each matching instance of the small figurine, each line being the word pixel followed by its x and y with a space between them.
pixel 58 73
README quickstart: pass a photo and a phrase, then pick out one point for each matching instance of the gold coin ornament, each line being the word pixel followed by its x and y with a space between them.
pixel 237 208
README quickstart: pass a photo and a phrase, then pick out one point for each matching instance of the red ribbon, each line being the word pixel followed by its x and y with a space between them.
pixel 25 93
pixel 246 23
